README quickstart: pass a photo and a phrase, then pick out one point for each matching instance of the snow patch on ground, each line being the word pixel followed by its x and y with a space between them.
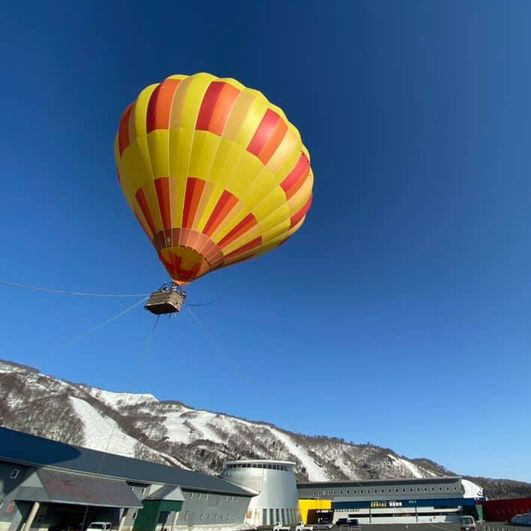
pixel 177 431
pixel 117 400
pixel 314 471
pixel 471 489
pixel 201 422
pixel 414 469
pixel 102 433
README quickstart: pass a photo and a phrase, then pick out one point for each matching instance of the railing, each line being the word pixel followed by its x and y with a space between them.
pixel 500 526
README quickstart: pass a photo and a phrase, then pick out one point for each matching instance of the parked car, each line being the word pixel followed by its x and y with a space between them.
pixel 301 526
pixel 352 523
pixel 521 519
pixel 279 526
pixel 467 523
pixel 99 526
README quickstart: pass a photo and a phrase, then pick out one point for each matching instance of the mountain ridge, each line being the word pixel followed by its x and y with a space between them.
pixel 177 434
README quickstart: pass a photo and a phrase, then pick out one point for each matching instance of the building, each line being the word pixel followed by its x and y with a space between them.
pixel 276 488
pixel 504 510
pixel 388 501
pixel 47 485
pixel 316 511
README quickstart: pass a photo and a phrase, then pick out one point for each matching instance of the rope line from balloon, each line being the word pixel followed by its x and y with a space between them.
pixel 101 325
pixel 205 303
pixel 90 293
pixel 219 347
pixel 139 359
pixel 72 292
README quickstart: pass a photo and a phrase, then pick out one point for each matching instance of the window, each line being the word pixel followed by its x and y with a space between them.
pixel 14 473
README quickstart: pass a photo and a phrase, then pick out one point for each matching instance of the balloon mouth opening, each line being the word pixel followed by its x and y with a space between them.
pixel 187 254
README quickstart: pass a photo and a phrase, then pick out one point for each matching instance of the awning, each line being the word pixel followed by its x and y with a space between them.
pixel 167 493
pixel 78 489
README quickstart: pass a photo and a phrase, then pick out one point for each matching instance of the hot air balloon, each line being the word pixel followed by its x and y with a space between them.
pixel 214 173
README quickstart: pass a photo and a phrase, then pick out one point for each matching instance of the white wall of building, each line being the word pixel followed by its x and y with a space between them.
pixel 276 488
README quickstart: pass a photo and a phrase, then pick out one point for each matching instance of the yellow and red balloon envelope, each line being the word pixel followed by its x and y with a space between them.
pixel 213 171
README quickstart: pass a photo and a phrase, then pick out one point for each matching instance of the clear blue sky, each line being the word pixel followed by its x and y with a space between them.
pixel 399 315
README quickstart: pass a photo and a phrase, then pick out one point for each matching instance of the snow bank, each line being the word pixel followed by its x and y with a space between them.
pixel 102 433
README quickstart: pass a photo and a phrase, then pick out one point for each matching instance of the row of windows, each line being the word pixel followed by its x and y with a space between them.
pixel 336 492
pixel 204 495
pixel 208 516
pixel 269 466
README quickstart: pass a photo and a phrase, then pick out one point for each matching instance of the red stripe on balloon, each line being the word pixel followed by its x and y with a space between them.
pixel 268 136
pixel 159 106
pixel 216 107
pixel 162 187
pixel 144 207
pixel 224 107
pixel 225 204
pixel 247 223
pixel 194 190
pixel 295 179
pixel 276 138
pixel 245 248
pixel 208 105
pixel 301 213
pixel 123 132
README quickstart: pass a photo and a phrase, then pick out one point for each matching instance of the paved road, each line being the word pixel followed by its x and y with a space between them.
pixel 487 526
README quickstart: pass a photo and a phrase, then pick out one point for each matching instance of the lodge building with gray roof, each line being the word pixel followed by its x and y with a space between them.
pixel 46 485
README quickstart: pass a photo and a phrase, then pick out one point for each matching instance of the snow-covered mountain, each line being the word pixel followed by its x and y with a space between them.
pixel 139 425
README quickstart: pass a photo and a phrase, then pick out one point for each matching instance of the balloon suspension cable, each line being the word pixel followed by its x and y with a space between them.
pixel 101 325
pixel 72 292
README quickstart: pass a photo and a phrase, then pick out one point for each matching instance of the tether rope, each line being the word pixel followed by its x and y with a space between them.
pixel 101 325
pixel 71 292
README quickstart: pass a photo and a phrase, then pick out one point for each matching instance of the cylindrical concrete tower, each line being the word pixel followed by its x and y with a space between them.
pixel 275 482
